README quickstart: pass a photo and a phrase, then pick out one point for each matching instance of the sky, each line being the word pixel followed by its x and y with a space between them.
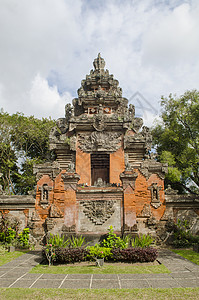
pixel 47 47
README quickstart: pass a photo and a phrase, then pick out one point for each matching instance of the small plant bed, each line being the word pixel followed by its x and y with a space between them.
pixel 108 268
pixel 112 248
pixel 188 254
pixel 9 256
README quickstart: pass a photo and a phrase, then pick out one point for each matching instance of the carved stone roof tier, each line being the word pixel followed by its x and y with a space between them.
pixel 100 88
pixel 99 113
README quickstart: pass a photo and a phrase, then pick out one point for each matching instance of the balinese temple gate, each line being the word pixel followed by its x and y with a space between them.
pixel 104 173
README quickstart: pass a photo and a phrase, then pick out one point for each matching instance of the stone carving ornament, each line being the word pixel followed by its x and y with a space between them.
pixel 155 196
pixel 98 122
pixel 100 141
pixel 99 211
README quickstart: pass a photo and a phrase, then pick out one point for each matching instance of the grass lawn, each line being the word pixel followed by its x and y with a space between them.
pixel 188 254
pixel 108 268
pixel 102 294
pixel 9 256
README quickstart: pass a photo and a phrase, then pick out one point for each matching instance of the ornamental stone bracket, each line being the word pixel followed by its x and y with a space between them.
pixel 100 141
pixel 99 211
pixel 70 180
pixel 69 229
pixel 130 229
pixel 44 198
pixel 151 166
pixel 170 191
pixel 48 168
pixel 55 212
pixel 146 211
pixel 128 178
pixel 155 196
pixel 144 137
pixel 49 224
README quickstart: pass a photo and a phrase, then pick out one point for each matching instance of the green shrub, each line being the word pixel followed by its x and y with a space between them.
pixel 2 249
pixel 23 238
pixel 142 241
pixel 76 242
pixel 49 253
pixel 10 235
pixel 2 236
pixel 113 241
pixel 182 236
pixel 57 241
pixel 98 252
pixel 70 255
pixel 147 254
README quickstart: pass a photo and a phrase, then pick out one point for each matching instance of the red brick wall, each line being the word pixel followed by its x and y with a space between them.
pixel 83 166
pixel 117 165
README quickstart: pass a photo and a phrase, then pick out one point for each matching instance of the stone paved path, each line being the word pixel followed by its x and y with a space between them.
pixel 16 274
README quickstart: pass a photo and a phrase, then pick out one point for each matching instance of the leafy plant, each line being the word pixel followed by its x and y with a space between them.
pixel 10 235
pixel 50 253
pixel 57 241
pixel 182 235
pixel 113 241
pixel 142 241
pixel 98 252
pixel 2 249
pixel 75 242
pixel 23 238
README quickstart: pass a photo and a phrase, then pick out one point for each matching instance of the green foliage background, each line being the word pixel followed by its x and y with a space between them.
pixel 24 141
pixel 176 139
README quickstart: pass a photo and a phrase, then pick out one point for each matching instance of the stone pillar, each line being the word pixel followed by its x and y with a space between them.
pixel 128 178
pixel 70 208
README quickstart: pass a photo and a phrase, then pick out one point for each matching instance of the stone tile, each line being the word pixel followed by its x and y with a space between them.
pixel 6 282
pixel 193 268
pixel 22 283
pixel 167 283
pixel 46 283
pixel 3 268
pixel 53 276
pixel 183 275
pixel 131 276
pixel 196 274
pixel 2 272
pixel 76 284
pixel 105 276
pixel 7 277
pixel 11 274
pixel 30 276
pixel 132 284
pixel 157 276
pixel 178 268
pixel 105 284
pixel 21 270
pixel 188 282
pixel 79 276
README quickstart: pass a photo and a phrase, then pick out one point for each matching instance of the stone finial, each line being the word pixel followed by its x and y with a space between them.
pixel 99 63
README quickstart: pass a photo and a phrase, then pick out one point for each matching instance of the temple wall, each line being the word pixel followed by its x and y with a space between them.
pixel 93 203
pixel 117 165
pixel 83 166
pixel 19 207
pixel 70 211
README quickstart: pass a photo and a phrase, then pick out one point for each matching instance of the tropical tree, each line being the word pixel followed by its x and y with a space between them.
pixel 176 139
pixel 23 142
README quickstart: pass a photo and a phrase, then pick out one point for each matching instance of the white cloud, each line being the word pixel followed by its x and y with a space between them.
pixel 45 99
pixel 150 46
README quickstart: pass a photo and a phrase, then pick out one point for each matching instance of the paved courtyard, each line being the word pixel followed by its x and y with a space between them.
pixel 15 274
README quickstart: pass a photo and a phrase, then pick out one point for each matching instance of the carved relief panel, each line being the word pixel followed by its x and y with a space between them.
pixel 100 141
